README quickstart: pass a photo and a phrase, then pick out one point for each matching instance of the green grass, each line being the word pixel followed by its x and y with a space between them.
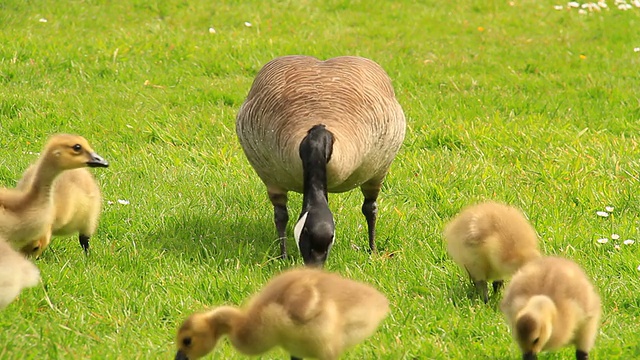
pixel 518 103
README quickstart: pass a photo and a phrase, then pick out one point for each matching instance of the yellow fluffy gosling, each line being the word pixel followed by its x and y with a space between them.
pixel 550 303
pixel 491 241
pixel 77 201
pixel 27 214
pixel 308 312
pixel 16 273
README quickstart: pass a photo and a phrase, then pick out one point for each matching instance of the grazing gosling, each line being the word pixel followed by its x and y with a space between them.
pixel 76 202
pixel 550 303
pixel 27 214
pixel 491 241
pixel 319 127
pixel 16 273
pixel 308 312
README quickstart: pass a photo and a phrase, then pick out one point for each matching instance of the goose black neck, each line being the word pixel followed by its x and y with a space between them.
pixel 315 152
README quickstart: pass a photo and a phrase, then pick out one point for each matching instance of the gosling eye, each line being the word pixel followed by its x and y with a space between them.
pixel 77 147
pixel 186 341
pixel 535 341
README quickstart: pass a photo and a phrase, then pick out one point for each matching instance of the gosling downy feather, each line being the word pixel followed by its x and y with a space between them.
pixel 76 203
pixel 27 214
pixel 491 241
pixel 315 127
pixel 16 273
pixel 550 303
pixel 308 312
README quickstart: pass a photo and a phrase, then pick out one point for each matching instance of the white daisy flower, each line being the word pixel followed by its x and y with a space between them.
pixel 609 208
pixel 602 214
pixel 615 236
pixel 629 242
pixel 123 202
pixel 603 241
pixel 558 7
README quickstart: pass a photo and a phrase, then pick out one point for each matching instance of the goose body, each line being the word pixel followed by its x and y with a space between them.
pixel 491 241
pixel 16 273
pixel 27 214
pixel 315 127
pixel 308 312
pixel 550 303
pixel 76 207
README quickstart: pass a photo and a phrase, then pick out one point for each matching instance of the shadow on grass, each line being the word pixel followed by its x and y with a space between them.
pixel 203 236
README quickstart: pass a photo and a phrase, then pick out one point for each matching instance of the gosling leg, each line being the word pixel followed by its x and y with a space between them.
pixel 295 358
pixel 84 242
pixel 529 356
pixel 582 355
pixel 497 285
pixel 481 286
pixel 281 218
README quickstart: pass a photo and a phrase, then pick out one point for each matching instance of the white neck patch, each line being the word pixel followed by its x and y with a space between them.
pixel 297 230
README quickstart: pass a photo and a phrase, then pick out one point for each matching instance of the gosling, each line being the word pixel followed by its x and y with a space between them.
pixel 27 214
pixel 76 202
pixel 308 312
pixel 550 303
pixel 491 241
pixel 16 273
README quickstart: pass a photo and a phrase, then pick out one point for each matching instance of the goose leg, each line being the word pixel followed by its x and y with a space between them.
pixel 370 210
pixel 84 242
pixel 281 218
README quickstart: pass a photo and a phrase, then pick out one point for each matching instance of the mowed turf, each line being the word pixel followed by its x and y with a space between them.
pixel 510 101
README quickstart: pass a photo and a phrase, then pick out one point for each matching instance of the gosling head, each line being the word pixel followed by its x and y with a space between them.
pixel 196 337
pixel 533 326
pixel 72 152
pixel 315 233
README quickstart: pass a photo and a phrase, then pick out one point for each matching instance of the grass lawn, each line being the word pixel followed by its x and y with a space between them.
pixel 507 100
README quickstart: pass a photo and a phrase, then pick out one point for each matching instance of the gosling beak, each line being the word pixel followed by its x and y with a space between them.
pixel 529 356
pixel 181 356
pixel 97 161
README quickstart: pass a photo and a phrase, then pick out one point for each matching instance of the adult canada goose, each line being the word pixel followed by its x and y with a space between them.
pixel 308 312
pixel 27 214
pixel 315 127
pixel 491 241
pixel 76 205
pixel 550 303
pixel 16 273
